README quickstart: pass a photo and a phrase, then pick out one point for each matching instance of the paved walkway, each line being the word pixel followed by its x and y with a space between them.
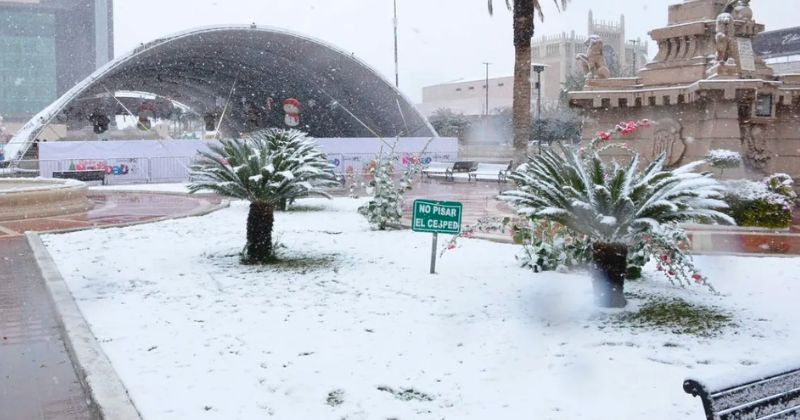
pixel 37 379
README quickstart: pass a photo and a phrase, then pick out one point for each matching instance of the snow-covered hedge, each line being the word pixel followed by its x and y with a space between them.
pixel 724 159
pixel 767 204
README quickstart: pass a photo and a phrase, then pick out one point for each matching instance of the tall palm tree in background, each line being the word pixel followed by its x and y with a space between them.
pixel 524 11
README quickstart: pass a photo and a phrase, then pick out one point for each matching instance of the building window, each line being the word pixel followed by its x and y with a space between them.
pixel 27 61
pixel 501 84
pixel 458 89
pixel 764 105
pixel 472 88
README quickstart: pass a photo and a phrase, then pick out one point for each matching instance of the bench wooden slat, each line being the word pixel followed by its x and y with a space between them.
pixel 764 407
pixel 772 397
pixel 792 413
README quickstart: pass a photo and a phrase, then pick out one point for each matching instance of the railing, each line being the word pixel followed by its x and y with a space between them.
pixel 151 170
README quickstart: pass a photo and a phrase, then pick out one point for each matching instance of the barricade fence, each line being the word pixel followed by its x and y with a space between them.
pixel 355 167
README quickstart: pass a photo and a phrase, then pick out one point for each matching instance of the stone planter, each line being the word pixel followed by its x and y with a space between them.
pixel 609 266
pixel 22 199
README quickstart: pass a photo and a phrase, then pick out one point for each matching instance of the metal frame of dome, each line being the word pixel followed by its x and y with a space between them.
pixel 244 65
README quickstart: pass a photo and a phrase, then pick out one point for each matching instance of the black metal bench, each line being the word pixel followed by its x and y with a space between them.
pixel 464 166
pixel 86 176
pixel 767 397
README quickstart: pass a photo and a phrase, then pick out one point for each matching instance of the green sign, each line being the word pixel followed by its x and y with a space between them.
pixel 437 217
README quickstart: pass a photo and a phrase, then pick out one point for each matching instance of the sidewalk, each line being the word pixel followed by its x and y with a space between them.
pixel 37 379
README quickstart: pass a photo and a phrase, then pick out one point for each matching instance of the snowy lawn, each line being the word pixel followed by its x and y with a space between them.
pixel 353 327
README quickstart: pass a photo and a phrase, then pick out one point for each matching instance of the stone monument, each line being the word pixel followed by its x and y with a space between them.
pixel 706 89
pixel 592 62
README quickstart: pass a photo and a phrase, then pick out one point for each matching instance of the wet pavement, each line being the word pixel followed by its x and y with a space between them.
pixel 37 379
pixel 479 199
pixel 112 208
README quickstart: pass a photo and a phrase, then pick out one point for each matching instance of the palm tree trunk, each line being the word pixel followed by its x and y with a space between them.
pixel 609 266
pixel 259 233
pixel 521 105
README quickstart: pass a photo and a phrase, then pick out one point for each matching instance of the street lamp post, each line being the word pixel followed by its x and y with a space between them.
pixel 396 58
pixel 486 104
pixel 538 68
pixel 635 44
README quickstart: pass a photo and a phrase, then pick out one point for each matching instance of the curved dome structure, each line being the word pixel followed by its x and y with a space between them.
pixel 241 76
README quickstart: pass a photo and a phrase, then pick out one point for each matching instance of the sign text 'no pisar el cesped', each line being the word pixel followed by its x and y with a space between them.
pixel 436 217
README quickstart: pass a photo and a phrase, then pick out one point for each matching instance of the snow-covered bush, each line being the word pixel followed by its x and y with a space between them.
pixel 724 159
pixel 782 184
pixel 266 169
pixel 385 209
pixel 613 204
pixel 551 247
pixel 386 206
pixel 767 204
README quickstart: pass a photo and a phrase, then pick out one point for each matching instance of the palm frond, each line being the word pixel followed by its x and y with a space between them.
pixel 268 166
pixel 612 201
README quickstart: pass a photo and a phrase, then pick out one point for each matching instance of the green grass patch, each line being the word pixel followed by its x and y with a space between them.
pixel 679 317
pixel 282 260
pixel 302 264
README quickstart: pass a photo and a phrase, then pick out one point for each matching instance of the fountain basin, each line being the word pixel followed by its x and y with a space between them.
pixel 22 199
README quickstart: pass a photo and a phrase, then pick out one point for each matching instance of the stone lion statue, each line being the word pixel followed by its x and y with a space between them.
pixel 593 63
pixel 724 37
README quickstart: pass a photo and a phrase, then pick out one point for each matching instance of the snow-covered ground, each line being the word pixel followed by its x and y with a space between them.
pixel 345 330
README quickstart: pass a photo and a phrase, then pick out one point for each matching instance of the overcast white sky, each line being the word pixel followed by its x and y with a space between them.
pixel 440 40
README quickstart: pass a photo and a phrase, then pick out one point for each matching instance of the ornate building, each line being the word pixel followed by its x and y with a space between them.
pixel 707 88
pixel 558 53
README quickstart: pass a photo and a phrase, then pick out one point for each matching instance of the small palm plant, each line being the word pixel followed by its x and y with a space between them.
pixel 614 205
pixel 267 169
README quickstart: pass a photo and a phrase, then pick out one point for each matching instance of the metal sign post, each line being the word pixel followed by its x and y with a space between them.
pixel 436 217
pixel 433 253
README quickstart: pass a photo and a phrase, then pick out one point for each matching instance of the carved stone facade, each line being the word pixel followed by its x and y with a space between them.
pixel 706 89
pixel 668 139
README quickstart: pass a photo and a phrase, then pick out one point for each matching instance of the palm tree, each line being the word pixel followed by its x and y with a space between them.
pixel 524 11
pixel 613 205
pixel 266 169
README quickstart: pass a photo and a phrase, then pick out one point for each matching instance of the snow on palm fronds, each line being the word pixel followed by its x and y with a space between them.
pixel 613 202
pixel 268 166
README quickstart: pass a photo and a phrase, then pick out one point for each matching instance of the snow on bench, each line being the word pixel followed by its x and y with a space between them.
pixel 762 395
pixel 462 170
pixel 438 169
pixel 491 171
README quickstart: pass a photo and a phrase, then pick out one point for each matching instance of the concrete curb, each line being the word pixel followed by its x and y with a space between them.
pixel 109 398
